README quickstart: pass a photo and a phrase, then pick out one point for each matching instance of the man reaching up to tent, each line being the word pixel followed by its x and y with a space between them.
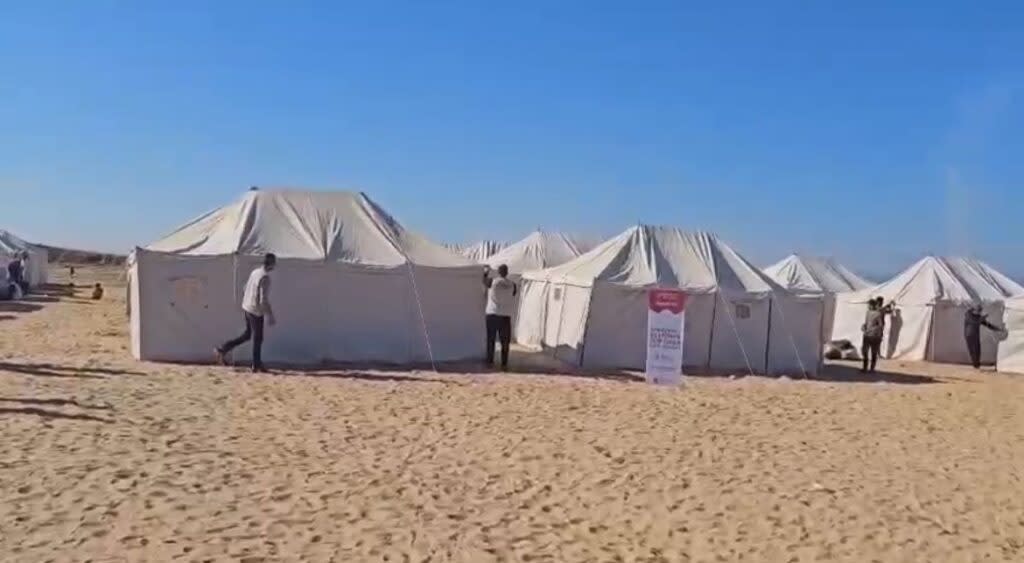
pixel 974 319
pixel 501 302
pixel 255 306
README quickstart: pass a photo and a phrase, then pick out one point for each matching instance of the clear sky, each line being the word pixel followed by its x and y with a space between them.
pixel 871 131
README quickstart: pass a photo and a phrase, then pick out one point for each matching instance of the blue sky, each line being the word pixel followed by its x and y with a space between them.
pixel 871 131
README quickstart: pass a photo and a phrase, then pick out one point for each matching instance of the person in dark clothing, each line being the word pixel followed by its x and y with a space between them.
pixel 974 319
pixel 501 302
pixel 16 273
pixel 255 306
pixel 874 331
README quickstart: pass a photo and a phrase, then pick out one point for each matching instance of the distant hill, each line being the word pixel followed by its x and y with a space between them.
pixel 72 256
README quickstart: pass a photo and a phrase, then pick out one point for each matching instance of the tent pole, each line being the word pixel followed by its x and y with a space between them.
pixel 736 332
pixel 711 339
pixel 768 337
pixel 423 319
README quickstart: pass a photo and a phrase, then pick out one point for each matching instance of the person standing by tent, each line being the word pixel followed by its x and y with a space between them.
pixel 16 272
pixel 873 329
pixel 501 302
pixel 255 306
pixel 974 319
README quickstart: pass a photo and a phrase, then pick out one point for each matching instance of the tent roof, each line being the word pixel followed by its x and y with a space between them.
pixel 936 279
pixel 809 274
pixel 480 251
pixel 665 256
pixel 338 226
pixel 12 244
pixel 540 249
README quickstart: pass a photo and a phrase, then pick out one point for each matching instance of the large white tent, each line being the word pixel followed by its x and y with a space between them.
pixel 352 284
pixel 539 250
pixel 37 267
pixel 811 275
pixel 1011 349
pixel 932 297
pixel 592 310
pixel 479 252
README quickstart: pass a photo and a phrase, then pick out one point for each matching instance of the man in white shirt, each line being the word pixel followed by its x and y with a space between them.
pixel 255 306
pixel 501 303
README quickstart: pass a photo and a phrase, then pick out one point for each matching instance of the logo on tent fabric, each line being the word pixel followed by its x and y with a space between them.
pixel 671 300
pixel 187 289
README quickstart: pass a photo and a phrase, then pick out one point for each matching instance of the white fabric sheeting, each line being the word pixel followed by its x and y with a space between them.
pixel 810 274
pixel 326 312
pixel 1011 350
pixel 932 295
pixel 537 251
pixel 604 290
pixel 480 251
pixel 36 269
pixel 343 290
pixel 334 226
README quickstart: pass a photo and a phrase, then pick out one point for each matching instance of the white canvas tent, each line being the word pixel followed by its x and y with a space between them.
pixel 539 250
pixel 480 251
pixel 932 297
pixel 592 310
pixel 37 267
pixel 810 275
pixel 352 284
pixel 1011 349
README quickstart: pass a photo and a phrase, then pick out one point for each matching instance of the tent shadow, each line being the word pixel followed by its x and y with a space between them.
pixel 39 298
pixel 54 370
pixel 841 373
pixel 355 375
pixel 57 290
pixel 18 307
pixel 53 414
pixel 54 402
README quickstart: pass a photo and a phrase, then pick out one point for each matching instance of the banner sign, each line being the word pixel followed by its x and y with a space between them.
pixel 665 314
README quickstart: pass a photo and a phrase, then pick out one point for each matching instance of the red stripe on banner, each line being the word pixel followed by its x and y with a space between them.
pixel 666 300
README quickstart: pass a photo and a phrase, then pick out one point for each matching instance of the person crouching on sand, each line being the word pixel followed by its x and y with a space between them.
pixel 255 306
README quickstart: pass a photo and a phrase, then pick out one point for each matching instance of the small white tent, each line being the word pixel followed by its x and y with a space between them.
pixel 539 250
pixel 37 267
pixel 592 310
pixel 932 297
pixel 809 275
pixel 480 251
pixel 351 285
pixel 1011 349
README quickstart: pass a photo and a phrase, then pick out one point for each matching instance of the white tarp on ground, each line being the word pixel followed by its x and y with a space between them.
pixel 345 289
pixel 592 310
pixel 539 250
pixel 1011 349
pixel 932 297
pixel 37 267
pixel 810 275
pixel 479 252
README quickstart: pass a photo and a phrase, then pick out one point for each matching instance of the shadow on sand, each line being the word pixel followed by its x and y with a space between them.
pixel 53 414
pixel 18 307
pixel 358 375
pixel 53 370
pixel 849 374
pixel 53 402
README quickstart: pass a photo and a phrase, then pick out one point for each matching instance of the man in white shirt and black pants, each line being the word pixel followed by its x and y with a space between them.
pixel 255 306
pixel 501 303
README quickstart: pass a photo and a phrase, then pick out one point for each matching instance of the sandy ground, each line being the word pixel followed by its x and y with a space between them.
pixel 106 459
